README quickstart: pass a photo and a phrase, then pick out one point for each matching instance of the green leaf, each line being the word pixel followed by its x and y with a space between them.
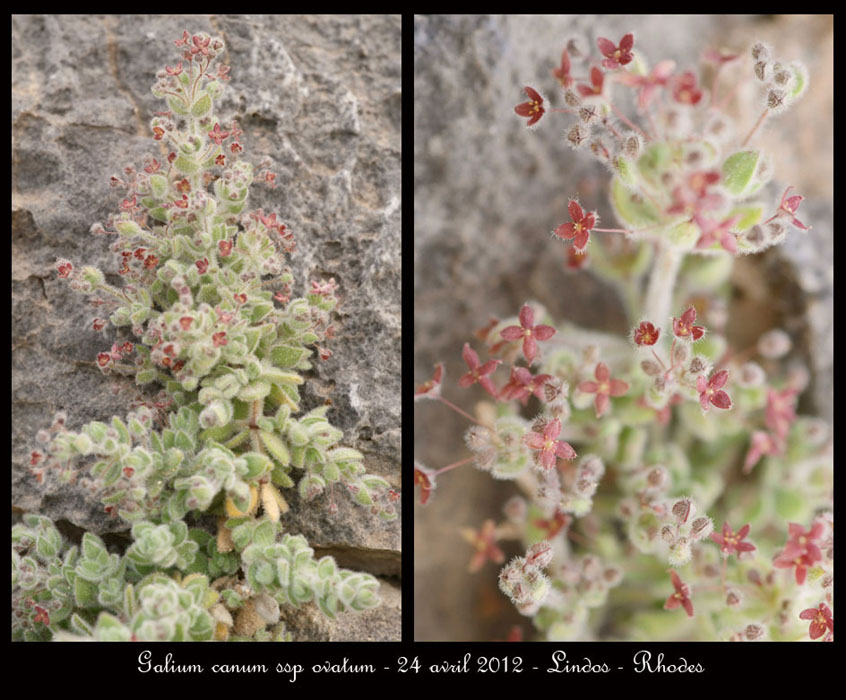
pixel 177 104
pixel 632 208
pixel 257 464
pixel 158 183
pixel 750 215
pixel 280 477
pixel 202 106
pixel 287 355
pixel 264 534
pixel 738 170
pixel 85 593
pixel 254 391
pixel 277 449
pixel 186 165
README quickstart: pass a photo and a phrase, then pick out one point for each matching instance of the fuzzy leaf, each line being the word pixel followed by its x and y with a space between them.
pixel 738 170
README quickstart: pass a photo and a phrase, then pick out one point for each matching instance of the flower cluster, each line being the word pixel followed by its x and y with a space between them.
pixel 227 440
pixel 624 474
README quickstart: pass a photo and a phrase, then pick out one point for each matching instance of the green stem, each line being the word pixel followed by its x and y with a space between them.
pixel 659 294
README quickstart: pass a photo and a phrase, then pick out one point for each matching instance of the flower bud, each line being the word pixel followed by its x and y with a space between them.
pixel 632 145
pixel 650 368
pixel 760 51
pixel 572 99
pixel 577 135
pixel 733 598
pixel 774 344
pixel 751 374
pixel 680 353
pixel 701 528
pixel 777 100
pixel 683 510
pixel 668 533
pixel 539 554
pixel 754 632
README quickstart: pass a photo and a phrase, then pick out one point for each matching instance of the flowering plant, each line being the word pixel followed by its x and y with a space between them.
pixel 199 471
pixel 631 448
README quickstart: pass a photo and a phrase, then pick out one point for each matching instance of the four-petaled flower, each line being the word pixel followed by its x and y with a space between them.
pixel 616 56
pixel 549 447
pixel 431 389
pixel 604 387
pixel 533 109
pixel 801 550
pixel 529 332
pixel 158 132
pixel 788 206
pixel 731 542
pixel 646 334
pixel 478 373
pixel 680 597
pixel 762 443
pixel 683 327
pixel 200 45
pixel 821 620
pixel 225 248
pixel 710 390
pixel 217 135
pixel 597 78
pixel 425 479
pixel 579 229
pixel 717 232
pixel 202 265
pixel 41 615
pixel 649 84
pixel 685 90
pixel 521 385
pixel 174 71
pixel 484 541
pixel 64 268
pixel 219 339
pixel 562 73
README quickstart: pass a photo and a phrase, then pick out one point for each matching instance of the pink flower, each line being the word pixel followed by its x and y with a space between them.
pixel 425 479
pixel 562 74
pixel 731 542
pixel 693 197
pixel 801 550
pixel 533 108
pixel 649 84
pixel 41 615
pixel 604 387
pixel 761 444
pixel 431 389
pixel 646 334
pixel 528 332
pixel 484 541
pixel 64 268
pixel 821 620
pixel 579 228
pixel 217 135
pixel 710 391
pixel 478 373
pixel 680 597
pixel 202 265
pixel 781 412
pixel 219 339
pixel 683 327
pixel 595 88
pixel 685 90
pixel 788 206
pixel 521 385
pixel 714 231
pixel 616 56
pixel 548 446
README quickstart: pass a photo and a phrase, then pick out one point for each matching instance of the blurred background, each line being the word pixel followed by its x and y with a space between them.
pixel 488 191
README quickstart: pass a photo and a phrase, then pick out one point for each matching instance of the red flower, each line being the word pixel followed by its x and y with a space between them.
pixel 521 385
pixel 484 541
pixel 98 324
pixel 680 597
pixel 710 391
pixel 158 132
pixel 186 37
pixel 431 389
pixel 788 206
pixel 151 261
pixel 219 339
pixel 217 135
pixel 104 359
pixel 41 615
pixel 562 74
pixel 552 526
pixel 693 197
pixel 604 387
pixel 616 56
pixel 579 228
pixel 821 620
pixel 576 259
pixel 478 373
pixel 549 447
pixel 200 45
pixel 64 268
pixel 528 332
pixel 683 327
pixel 731 542
pixel 236 148
pixel 174 71
pixel 646 334
pixel 595 88
pixel 202 265
pixel 685 90
pixel 186 322
pixel 220 160
pixel 183 186
pixel 425 479
pixel 225 248
pixel 533 108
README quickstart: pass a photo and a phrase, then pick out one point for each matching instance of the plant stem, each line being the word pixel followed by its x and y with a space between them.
pixel 463 413
pixel 454 465
pixel 659 294
pixel 755 128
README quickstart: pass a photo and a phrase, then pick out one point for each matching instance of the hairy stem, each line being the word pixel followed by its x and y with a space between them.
pixel 659 294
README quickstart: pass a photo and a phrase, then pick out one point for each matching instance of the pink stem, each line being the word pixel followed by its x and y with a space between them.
pixel 454 465
pixel 623 118
pixel 463 413
pixel 755 128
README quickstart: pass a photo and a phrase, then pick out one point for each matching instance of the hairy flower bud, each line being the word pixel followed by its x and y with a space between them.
pixel 774 344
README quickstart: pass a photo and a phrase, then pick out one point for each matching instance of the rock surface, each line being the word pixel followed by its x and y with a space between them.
pixel 488 192
pixel 321 95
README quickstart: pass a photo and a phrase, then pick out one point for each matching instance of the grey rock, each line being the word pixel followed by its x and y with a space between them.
pixel 321 96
